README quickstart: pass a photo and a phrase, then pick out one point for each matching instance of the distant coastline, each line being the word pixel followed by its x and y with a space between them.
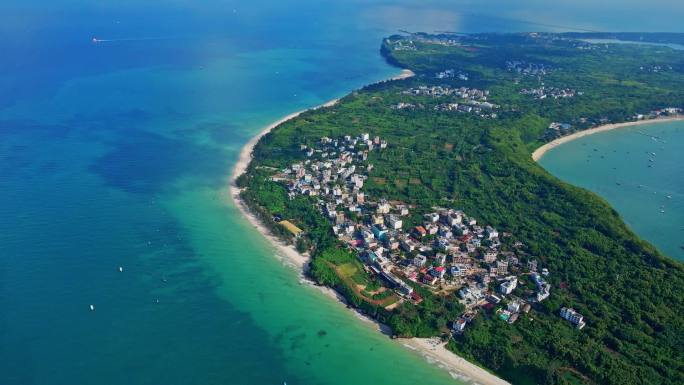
pixel 541 151
pixel 432 350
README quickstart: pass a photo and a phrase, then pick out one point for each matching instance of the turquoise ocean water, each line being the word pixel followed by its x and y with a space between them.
pixel 117 154
pixel 638 170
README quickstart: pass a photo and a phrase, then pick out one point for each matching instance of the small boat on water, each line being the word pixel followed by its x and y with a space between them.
pixel 92 307
pixel 121 269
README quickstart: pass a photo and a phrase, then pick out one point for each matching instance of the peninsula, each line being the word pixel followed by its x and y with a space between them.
pixel 418 201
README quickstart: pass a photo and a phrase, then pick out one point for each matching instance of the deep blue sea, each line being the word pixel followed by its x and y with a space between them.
pixel 117 153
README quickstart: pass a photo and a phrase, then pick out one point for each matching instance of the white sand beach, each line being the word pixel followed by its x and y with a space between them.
pixel 434 352
pixel 539 153
pixel 288 251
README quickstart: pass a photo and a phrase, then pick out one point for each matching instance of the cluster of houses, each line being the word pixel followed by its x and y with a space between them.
pixel 512 311
pixel 401 44
pixel 452 74
pixel 331 168
pixel 477 294
pixel 466 93
pixel 527 69
pixel 408 43
pixel 587 46
pixel 404 105
pixel 472 100
pixel 550 92
pixel 444 251
pixel 656 68
pixel 556 130
pixel 669 111
pixel 481 109
pixel 443 40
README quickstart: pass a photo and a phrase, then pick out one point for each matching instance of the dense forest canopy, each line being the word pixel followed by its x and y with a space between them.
pixel 631 296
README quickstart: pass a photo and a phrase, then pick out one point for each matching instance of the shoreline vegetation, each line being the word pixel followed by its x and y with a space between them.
pixel 245 158
pixel 432 349
pixel 421 206
pixel 542 150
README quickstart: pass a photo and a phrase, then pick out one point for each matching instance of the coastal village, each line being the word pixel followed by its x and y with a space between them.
pixel 550 92
pixel 481 265
pixel 409 44
pixel 558 129
pixel 446 251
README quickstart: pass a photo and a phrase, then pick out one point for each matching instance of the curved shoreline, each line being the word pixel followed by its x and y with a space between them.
pixel 434 352
pixel 245 158
pixel 541 151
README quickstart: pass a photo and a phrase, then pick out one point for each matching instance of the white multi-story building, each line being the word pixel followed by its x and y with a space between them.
pixel 459 325
pixel 394 222
pixel 432 217
pixel 574 317
pixel 508 286
pixel 419 260
pixel 491 232
pixel 458 271
pixel 543 293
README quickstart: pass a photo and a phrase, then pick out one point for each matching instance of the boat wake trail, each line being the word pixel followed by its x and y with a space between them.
pixel 97 40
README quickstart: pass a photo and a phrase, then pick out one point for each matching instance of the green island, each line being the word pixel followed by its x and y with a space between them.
pixel 418 200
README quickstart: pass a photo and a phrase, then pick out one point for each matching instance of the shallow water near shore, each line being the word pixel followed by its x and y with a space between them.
pixel 120 157
pixel 117 154
pixel 638 170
